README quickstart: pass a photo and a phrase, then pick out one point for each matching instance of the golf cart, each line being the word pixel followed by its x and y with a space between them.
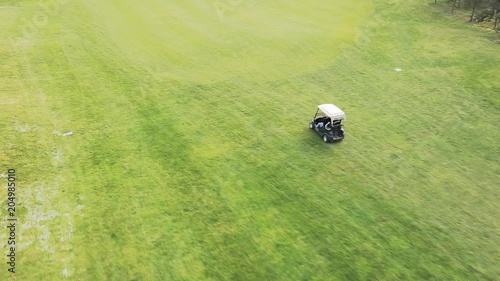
pixel 327 122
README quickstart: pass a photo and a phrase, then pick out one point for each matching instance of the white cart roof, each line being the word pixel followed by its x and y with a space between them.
pixel 332 111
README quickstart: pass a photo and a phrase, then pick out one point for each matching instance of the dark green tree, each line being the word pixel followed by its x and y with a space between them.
pixel 495 5
pixel 473 4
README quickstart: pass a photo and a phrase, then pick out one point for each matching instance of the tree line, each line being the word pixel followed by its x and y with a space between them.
pixel 480 10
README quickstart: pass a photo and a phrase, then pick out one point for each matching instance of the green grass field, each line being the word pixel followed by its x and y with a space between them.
pixel 191 158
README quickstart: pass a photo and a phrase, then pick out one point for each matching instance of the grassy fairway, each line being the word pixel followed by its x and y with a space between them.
pixel 192 159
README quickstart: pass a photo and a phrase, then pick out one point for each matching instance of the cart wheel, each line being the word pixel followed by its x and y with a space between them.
pixel 325 138
pixel 311 125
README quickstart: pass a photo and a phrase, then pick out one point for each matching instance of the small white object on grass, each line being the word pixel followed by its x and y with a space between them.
pixel 398 69
pixel 67 134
